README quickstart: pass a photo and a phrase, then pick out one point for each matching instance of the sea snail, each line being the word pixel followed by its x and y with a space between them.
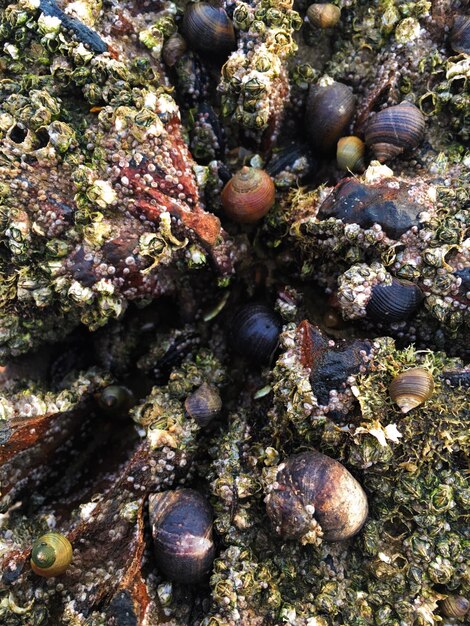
pixel 248 195
pixel 312 490
pixel 393 302
pixel 115 399
pixel 181 522
pixel 411 388
pixel 455 606
pixel 51 555
pixel 323 15
pixel 204 404
pixel 254 332
pixel 394 130
pixel 350 153
pixel 208 29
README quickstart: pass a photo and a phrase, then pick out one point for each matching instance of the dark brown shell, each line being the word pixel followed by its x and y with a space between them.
pixel 455 606
pixel 181 522
pixel 460 34
pixel 395 130
pixel 248 195
pixel 394 302
pixel 204 404
pixel 208 29
pixel 329 111
pixel 311 486
pixel 254 332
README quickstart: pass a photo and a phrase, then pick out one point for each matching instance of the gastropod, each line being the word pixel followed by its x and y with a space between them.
pixel 51 555
pixel 412 388
pixel 248 195
pixel 208 29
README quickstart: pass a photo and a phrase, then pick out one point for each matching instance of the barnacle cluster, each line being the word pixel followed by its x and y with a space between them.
pixel 234 313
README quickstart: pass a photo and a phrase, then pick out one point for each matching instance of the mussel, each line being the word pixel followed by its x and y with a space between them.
pixel 254 332
pixel 395 130
pixel 330 109
pixel 248 195
pixel 394 302
pixel 208 29
pixel 181 522
pixel 460 34
pixel 312 489
pixel 51 555
pixel 411 388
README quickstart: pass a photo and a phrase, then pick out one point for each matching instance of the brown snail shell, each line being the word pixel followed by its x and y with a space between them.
pixel 411 388
pixel 311 488
pixel 323 15
pixel 51 555
pixel 350 153
pixel 395 130
pixel 248 195
pixel 460 34
pixel 181 522
pixel 455 606
pixel 330 109
pixel 204 404
pixel 208 29
pixel 173 49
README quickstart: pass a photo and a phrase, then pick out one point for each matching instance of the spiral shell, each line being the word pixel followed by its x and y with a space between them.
pixel 208 29
pixel 310 489
pixel 350 153
pixel 115 399
pixel 323 15
pixel 394 130
pixel 460 34
pixel 411 388
pixel 394 302
pixel 181 522
pixel 455 606
pixel 173 49
pixel 248 195
pixel 204 404
pixel 51 555
pixel 330 109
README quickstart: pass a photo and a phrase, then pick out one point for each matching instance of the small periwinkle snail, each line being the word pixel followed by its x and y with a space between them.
pixel 173 49
pixel 323 15
pixel 411 388
pixel 181 522
pixel 51 555
pixel 350 153
pixel 394 302
pixel 115 399
pixel 330 109
pixel 395 130
pixel 254 332
pixel 460 34
pixel 208 29
pixel 248 195
pixel 312 489
pixel 455 606
pixel 204 404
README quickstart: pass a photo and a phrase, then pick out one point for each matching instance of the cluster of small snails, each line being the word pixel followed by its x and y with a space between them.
pixel 390 132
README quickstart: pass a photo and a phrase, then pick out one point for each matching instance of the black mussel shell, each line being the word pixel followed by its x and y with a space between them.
pixel 208 29
pixel 460 34
pixel 181 522
pixel 254 332
pixel 394 302
pixel 292 165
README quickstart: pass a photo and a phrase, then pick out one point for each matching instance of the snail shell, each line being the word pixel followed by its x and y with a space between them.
pixel 115 399
pixel 411 388
pixel 248 195
pixel 323 15
pixel 208 29
pixel 173 49
pixel 329 111
pixel 394 130
pixel 181 522
pixel 394 302
pixel 51 555
pixel 455 606
pixel 460 34
pixel 350 153
pixel 204 404
pixel 312 488
pixel 254 332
